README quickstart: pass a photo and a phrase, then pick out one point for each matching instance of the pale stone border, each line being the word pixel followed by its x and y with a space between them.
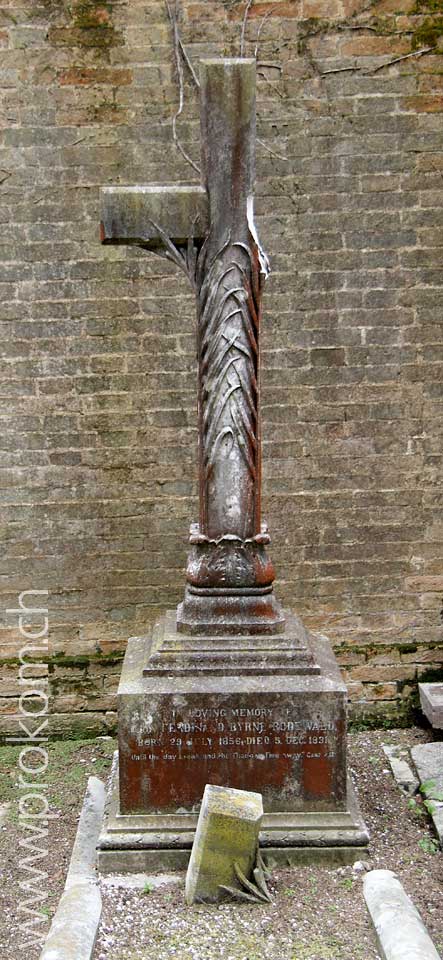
pixel 74 927
pixel 400 931
pixel 400 768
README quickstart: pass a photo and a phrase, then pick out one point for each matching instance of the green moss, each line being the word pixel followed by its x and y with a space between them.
pixel 384 26
pixel 385 715
pixel 62 661
pixel 72 685
pixel 431 29
pixel 70 762
pixel 83 661
pixel 428 34
pixel 428 6
pixel 114 656
pixel 371 650
pixel 432 675
pixel 90 14
pixel 90 27
pixel 311 28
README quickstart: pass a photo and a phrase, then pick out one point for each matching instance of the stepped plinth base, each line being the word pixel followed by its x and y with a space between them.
pixel 146 843
pixel 266 714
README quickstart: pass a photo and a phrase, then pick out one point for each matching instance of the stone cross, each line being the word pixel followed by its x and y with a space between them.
pixel 209 231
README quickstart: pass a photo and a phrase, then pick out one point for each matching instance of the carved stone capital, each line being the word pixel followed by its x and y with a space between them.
pixel 229 562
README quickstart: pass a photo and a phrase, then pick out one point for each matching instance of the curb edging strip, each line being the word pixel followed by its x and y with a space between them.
pixel 73 930
pixel 400 931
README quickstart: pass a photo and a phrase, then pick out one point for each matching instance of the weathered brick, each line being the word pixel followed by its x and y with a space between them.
pixel 423 104
pixel 369 46
pixel 381 691
pixel 86 76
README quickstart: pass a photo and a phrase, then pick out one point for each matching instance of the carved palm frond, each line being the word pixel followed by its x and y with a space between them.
pixel 250 891
pixel 228 347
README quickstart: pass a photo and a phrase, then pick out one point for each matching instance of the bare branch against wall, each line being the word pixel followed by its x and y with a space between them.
pixel 188 62
pixel 178 54
pixel 243 29
pixel 261 28
pixel 278 156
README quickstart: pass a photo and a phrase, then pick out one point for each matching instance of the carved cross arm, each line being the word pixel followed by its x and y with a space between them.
pixel 144 215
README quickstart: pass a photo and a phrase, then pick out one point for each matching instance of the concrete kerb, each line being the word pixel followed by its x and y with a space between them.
pixel 400 931
pixel 428 760
pixel 74 927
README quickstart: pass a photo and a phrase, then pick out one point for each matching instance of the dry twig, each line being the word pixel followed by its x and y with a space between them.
pixel 386 63
pixel 270 65
pixel 340 70
pixel 415 53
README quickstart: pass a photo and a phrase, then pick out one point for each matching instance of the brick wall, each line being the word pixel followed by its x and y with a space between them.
pixel 98 373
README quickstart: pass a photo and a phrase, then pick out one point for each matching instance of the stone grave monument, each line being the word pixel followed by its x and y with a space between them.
pixel 229 689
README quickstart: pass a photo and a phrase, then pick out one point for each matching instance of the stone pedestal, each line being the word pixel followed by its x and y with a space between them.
pixel 431 701
pixel 264 714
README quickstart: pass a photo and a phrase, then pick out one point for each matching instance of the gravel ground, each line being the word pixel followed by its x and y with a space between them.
pixel 318 914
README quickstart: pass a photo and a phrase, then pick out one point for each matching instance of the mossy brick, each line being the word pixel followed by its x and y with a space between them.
pixel 227 834
pixel 377 673
pixel 79 726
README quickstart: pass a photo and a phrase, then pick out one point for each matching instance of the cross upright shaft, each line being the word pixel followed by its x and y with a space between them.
pixel 229 575
pixel 229 307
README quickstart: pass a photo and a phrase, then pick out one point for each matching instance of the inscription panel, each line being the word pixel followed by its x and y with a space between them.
pixel 288 749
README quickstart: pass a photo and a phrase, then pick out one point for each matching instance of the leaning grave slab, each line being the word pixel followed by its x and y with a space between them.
pixel 229 689
pixel 226 839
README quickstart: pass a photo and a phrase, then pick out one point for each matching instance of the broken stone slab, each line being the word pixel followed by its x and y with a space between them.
pixel 428 759
pixel 401 770
pixel 400 931
pixel 73 930
pixel 431 701
pixel 225 844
